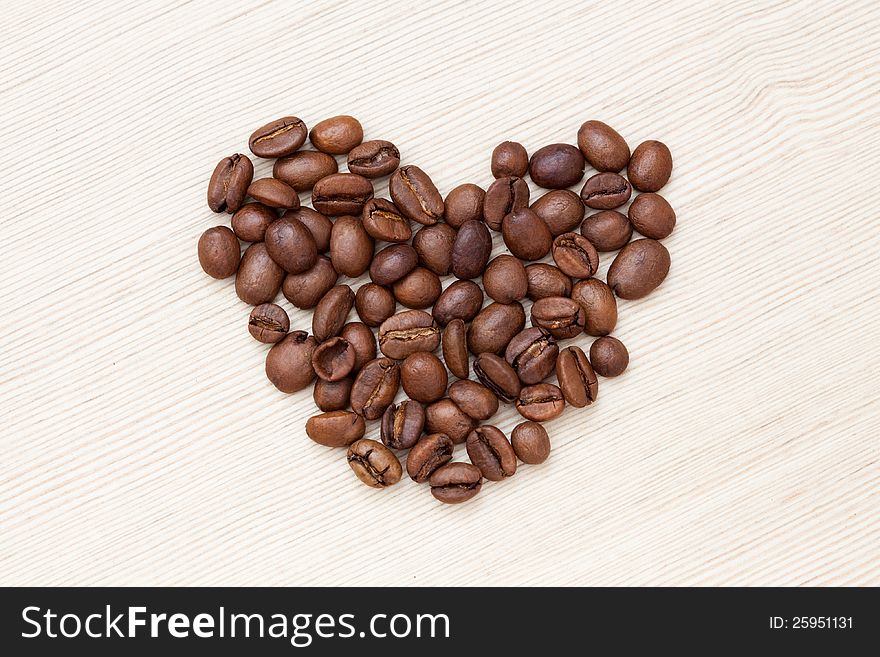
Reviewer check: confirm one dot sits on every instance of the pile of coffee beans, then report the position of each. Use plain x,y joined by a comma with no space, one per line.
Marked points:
303,251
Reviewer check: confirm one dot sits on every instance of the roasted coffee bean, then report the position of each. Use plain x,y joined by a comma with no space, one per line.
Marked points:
540,402
577,379
471,250
599,304
652,216
393,263
383,221
337,135
509,159
455,352
229,183
603,147
606,191
335,428
341,194
332,395
423,377
504,196
259,277
575,255
351,248
289,362
496,374
456,482
474,399
362,340
546,281
494,326
650,166
445,417
402,424
562,210
331,312
268,323
278,138
219,252
374,464
414,193
375,387
505,279
408,332
319,226
557,166
464,203
532,354
274,193
333,359
563,317
637,270
374,159
374,304
304,168
488,449
608,230
251,221
434,246
418,289
530,442
526,235
462,299
291,245
609,356
431,452
305,290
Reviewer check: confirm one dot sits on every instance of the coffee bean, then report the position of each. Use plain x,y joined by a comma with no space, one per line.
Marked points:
445,417
505,279
540,402
606,191
488,449
337,135
332,395
546,281
474,399
455,352
557,166
289,362
471,250
393,263
609,356
219,252
494,326
274,193
402,425
575,255
563,317
603,147
333,359
418,289
415,194
374,304
638,269
268,323
318,225
650,166
374,159
291,245
608,230
530,442
331,312
526,235
504,196
278,138
464,203
599,304
578,381
509,159
229,183
434,246
383,221
305,290
652,216
496,374
532,354
431,452
341,194
251,221
259,277
456,482
375,387
561,209
374,464
408,332
351,248
335,428
304,168
462,299
423,377
362,340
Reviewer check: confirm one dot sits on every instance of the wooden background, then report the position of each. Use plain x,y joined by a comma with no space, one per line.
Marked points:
142,443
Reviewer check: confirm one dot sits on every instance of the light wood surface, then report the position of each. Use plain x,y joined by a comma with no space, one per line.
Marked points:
142,443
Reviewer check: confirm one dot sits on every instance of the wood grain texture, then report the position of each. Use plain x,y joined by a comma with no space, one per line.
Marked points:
142,443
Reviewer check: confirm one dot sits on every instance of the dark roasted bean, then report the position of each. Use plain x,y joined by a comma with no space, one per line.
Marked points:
650,166
546,281
445,417
402,424
608,230
305,290
577,379
374,304
532,354
259,277
304,168
563,317
504,196
289,362
603,147
557,166
488,449
334,359
540,402
374,159
408,332
599,304
374,464
471,250
526,235
351,248
509,159
505,279
462,299
229,183
251,221
423,377
430,453
291,245
575,255
464,203
414,193
274,193
652,216
609,356
375,387
331,312
341,194
474,399
530,442
268,323
638,269
434,245
455,352
335,428
278,138
456,482
383,221
497,375
494,326
219,252
561,209
606,191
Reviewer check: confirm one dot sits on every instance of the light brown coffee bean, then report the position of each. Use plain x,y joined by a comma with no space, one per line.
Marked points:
305,290
575,255
393,263
268,323
251,221
408,332
331,312
418,289
638,269
415,194
430,453
304,168
334,359
351,247
337,135
497,375
434,245
578,381
504,196
462,300
259,277
229,183
561,209
319,226
291,245
546,281
563,317
423,377
341,194
362,340
530,442
488,449
652,216
606,191
609,356
374,464
374,304
383,221
464,203
608,230
509,159
650,166
278,138
603,146
445,417
335,428
532,354
494,326
599,304
455,483
273,193
374,159
474,399
375,387
541,402
219,252
505,279
402,424
455,352
289,362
